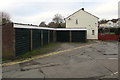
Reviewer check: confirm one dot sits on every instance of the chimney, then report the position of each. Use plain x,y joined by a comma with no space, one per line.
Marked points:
83,9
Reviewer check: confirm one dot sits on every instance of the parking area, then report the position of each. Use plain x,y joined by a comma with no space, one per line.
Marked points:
95,61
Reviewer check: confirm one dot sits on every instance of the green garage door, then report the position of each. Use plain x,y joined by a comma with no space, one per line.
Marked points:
51,36
78,36
22,41
36,38
63,36
45,37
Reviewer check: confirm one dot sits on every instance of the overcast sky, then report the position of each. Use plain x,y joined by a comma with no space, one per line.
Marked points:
35,11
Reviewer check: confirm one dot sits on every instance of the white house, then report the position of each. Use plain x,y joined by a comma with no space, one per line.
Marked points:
109,23
85,20
103,25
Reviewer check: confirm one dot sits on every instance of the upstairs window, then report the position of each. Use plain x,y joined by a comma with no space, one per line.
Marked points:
93,32
76,21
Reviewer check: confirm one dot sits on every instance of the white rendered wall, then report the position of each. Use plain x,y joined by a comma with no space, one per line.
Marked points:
86,21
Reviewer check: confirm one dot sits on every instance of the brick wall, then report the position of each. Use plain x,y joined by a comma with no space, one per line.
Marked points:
8,40
0,42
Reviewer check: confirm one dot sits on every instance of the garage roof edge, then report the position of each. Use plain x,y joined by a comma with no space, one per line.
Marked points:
44,28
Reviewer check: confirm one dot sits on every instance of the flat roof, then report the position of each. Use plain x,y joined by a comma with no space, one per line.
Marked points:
64,29
31,27
45,28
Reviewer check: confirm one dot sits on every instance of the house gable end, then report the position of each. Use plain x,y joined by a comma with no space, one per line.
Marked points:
79,11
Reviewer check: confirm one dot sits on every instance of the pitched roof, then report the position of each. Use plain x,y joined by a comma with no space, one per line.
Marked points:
80,10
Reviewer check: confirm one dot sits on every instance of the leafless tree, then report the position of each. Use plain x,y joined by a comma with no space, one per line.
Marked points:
4,18
58,18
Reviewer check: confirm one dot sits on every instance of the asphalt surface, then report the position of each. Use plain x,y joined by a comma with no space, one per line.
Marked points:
97,61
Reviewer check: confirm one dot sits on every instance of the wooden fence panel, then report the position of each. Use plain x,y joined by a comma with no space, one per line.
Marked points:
107,37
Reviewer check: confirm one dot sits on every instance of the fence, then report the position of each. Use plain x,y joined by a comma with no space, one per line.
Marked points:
19,39
107,37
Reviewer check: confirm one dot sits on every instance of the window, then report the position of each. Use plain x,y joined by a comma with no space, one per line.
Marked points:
93,32
76,21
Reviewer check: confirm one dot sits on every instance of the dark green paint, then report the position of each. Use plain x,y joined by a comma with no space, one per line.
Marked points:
78,36
63,36
22,41
36,39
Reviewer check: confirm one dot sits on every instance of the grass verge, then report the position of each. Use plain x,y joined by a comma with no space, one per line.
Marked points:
43,50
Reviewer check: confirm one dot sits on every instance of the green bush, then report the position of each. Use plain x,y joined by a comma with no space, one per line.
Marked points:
100,30
111,30
117,31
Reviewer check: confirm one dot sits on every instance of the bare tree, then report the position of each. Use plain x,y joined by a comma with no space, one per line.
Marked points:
4,18
58,18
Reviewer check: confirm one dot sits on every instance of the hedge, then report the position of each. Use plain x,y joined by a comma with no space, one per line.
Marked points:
110,30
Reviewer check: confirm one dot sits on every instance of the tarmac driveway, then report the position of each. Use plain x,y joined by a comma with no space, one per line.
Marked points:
97,61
